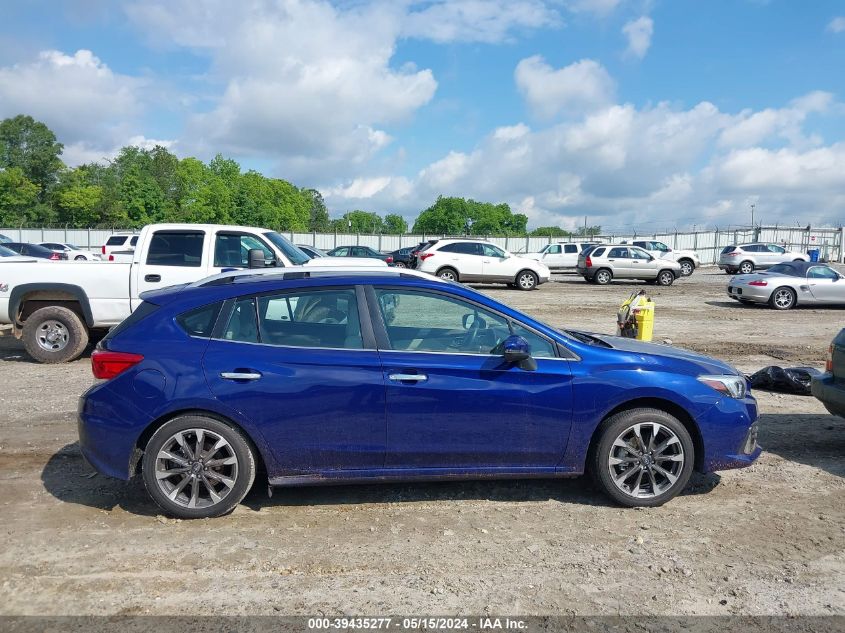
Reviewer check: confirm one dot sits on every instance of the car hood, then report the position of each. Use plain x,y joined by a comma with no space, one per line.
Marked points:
345,261
702,364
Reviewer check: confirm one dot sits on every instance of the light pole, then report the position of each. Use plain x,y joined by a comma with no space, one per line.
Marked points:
752,215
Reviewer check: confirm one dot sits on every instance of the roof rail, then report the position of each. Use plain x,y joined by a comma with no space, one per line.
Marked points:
305,272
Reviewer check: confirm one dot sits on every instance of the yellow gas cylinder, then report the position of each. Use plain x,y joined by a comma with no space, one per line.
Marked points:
644,317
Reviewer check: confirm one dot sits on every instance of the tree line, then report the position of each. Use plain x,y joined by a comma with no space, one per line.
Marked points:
141,186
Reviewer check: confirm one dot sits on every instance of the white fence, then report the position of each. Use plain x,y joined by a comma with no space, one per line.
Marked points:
829,241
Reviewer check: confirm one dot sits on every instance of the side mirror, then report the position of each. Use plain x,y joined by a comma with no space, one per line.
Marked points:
517,351
256,258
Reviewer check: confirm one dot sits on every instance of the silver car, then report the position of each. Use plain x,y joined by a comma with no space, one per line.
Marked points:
606,262
784,286
746,258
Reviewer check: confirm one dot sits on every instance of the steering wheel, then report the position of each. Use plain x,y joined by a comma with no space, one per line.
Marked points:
472,333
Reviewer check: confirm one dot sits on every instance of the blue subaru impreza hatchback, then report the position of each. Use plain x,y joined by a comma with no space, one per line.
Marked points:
329,376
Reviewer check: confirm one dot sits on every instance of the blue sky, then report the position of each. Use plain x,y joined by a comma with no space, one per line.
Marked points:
646,113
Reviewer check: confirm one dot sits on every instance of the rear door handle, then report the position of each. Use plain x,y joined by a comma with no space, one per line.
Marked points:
152,278
408,377
240,375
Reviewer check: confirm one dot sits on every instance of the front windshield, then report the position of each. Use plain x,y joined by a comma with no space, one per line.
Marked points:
296,256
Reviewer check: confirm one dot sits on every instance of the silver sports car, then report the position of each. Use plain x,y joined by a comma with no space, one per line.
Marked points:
786,285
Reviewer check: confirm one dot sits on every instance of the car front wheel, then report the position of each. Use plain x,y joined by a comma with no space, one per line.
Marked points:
196,467
644,457
665,278
527,280
687,267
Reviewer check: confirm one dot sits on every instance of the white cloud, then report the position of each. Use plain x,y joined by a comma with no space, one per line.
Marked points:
477,20
837,24
579,87
82,152
639,33
752,128
597,7
78,96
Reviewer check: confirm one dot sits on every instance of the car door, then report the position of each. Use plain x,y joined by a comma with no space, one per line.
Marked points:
452,401
569,258
496,265
619,262
465,257
297,365
775,254
826,285
173,257
231,251
642,264
553,256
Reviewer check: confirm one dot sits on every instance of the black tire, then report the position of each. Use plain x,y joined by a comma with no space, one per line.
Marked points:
615,427
783,298
603,277
399,265
746,267
54,335
665,278
687,267
449,274
242,473
79,258
526,280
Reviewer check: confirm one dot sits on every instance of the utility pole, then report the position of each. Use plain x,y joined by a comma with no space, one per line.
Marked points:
752,215
585,226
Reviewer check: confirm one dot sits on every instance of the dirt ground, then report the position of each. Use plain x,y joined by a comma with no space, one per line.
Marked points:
769,539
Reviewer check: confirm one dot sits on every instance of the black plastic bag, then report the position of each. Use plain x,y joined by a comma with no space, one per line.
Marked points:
794,380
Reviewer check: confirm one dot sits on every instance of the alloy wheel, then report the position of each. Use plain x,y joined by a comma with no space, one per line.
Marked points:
783,298
196,468
746,268
686,268
646,460
527,281
448,275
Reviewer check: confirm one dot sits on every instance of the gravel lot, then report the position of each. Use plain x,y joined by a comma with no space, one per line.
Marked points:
769,539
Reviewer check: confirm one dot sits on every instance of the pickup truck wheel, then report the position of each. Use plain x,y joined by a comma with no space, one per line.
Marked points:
687,267
54,335
195,467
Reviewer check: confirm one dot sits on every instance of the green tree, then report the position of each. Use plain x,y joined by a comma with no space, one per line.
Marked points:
76,199
394,224
32,147
359,222
553,231
453,216
447,216
318,217
18,196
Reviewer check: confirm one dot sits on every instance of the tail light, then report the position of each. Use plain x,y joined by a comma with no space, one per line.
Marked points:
55,256
389,260
425,256
104,249
111,258
733,254
758,282
588,262
828,365
106,365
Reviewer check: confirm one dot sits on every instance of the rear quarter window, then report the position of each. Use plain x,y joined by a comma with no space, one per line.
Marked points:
199,321
598,252
116,240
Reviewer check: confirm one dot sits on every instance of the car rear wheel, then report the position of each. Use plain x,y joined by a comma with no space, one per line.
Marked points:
399,264
603,277
782,298
665,278
196,467
79,258
746,268
644,457
526,280
54,335
448,274
687,267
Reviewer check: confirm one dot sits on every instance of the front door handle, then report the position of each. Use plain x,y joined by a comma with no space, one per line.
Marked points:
152,278
408,377
240,375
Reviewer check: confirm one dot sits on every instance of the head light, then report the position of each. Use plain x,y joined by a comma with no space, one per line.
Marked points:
730,385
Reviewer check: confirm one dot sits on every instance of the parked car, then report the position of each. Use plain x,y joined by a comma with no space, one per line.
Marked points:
603,263
417,250
34,250
359,251
73,252
4,239
120,242
69,301
784,286
7,255
311,251
829,388
479,261
746,258
390,375
560,256
403,257
689,260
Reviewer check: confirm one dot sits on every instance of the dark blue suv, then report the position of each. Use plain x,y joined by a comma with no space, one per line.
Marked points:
327,376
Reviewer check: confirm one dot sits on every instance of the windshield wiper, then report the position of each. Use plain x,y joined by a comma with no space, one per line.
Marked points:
587,338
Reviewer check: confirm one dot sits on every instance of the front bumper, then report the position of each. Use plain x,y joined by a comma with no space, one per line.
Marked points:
830,393
729,433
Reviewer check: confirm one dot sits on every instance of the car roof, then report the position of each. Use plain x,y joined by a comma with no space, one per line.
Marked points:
797,269
457,240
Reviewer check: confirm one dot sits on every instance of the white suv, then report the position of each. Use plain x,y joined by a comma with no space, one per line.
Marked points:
689,260
560,255
475,260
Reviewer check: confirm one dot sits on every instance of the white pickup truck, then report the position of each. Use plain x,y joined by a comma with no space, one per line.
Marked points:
57,308
689,260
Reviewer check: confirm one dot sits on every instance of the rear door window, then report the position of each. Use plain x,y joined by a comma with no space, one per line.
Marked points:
116,240
176,248
618,252
570,248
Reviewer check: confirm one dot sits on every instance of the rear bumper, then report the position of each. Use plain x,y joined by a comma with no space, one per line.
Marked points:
749,293
830,392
